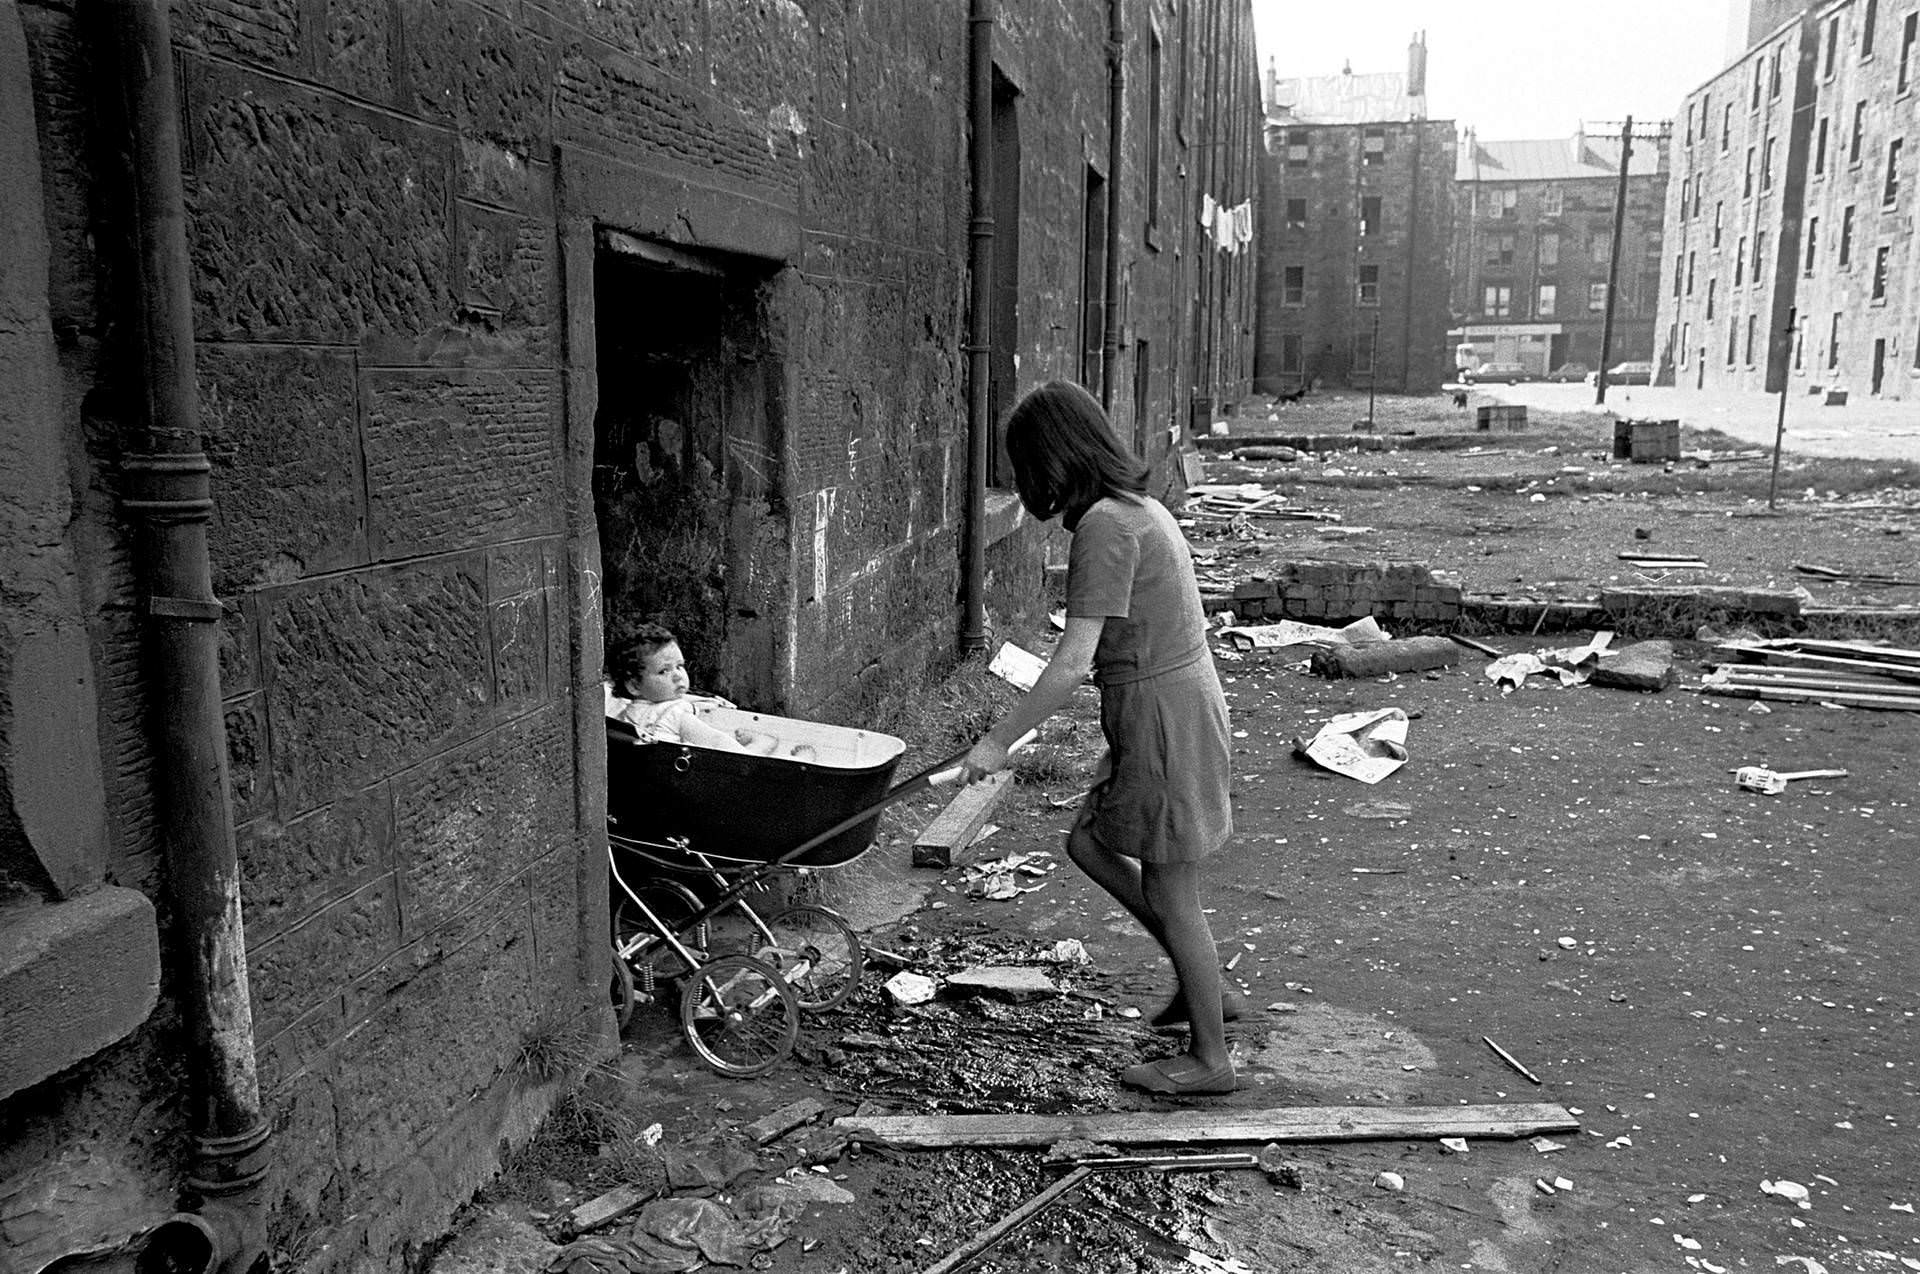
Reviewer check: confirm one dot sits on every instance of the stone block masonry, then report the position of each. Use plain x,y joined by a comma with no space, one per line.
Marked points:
1327,591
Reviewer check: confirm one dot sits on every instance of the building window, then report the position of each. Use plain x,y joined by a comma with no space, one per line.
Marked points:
1820,147
1299,147
1549,243
1296,214
1813,244
1891,190
1370,214
1679,270
1908,31
1596,297
1773,83
1713,286
1552,201
1504,202
1718,208
1499,301
1753,326
1740,261
1859,132
1833,45
1846,237
1733,342
1868,18
1369,285
1880,273
1689,142
1686,191
1833,344
1373,147
1726,127
1799,345
1363,351
1294,286
1686,334
1153,132
1759,253
1766,166
1746,186
1597,249
1500,250
1690,257
1549,294
1292,347
1759,81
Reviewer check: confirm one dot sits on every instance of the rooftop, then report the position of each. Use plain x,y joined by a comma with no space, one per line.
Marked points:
1555,159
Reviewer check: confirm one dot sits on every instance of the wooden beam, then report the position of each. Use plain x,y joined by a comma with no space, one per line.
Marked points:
1847,698
1147,1127
954,827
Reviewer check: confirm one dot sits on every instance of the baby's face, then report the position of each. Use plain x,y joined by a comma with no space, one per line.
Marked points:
664,678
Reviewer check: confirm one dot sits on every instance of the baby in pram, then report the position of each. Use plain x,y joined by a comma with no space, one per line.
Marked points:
649,691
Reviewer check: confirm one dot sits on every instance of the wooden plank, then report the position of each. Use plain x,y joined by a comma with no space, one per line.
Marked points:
1145,1128
1901,672
1812,679
608,1208
786,1119
1848,698
954,827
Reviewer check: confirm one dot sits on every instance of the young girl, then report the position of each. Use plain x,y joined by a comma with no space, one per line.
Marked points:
1159,799
650,674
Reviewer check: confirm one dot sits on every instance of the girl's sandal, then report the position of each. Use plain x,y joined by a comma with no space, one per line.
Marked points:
1180,1077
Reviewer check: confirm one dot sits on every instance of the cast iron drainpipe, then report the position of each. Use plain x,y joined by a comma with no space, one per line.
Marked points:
973,586
1116,110
168,488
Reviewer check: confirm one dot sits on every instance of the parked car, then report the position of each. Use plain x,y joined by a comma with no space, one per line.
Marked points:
1630,374
1501,373
1572,372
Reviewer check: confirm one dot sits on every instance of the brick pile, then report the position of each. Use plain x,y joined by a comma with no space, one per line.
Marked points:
1323,591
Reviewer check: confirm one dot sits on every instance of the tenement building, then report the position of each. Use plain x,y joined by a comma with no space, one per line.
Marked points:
1790,259
366,365
1357,211
1534,245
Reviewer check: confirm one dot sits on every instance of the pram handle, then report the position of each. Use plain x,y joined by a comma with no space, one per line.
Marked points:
952,772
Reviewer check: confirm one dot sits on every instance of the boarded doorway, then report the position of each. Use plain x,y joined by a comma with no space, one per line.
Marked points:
685,483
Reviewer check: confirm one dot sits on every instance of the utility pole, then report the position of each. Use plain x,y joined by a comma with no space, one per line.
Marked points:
1627,138
1780,422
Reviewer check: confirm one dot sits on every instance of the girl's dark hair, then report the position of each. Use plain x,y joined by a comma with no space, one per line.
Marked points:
1064,454
627,654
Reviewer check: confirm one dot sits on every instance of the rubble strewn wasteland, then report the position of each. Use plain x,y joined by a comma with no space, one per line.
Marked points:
1559,892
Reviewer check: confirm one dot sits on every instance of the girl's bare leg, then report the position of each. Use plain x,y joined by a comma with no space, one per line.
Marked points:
1118,876
1172,893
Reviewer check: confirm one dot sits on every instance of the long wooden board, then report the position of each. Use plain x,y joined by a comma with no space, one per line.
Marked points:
1847,698
1143,1128
1781,658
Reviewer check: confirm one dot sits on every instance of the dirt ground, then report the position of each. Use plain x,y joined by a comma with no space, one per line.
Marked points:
1720,985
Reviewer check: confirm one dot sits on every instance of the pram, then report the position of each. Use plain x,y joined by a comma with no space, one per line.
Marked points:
692,831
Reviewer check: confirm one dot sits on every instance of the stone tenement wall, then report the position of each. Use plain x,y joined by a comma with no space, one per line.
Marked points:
419,233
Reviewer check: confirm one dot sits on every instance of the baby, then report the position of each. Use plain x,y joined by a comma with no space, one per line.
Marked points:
649,673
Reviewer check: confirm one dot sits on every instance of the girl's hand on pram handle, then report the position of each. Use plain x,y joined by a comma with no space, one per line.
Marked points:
985,759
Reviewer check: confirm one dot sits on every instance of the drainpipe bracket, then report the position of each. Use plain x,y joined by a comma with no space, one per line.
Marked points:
189,608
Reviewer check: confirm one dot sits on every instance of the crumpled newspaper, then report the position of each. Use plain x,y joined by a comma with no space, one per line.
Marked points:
1000,878
1571,666
1361,745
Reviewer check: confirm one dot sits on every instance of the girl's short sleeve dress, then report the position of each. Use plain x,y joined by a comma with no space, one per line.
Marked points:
1160,794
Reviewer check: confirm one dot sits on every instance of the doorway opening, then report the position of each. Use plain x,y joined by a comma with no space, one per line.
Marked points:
686,484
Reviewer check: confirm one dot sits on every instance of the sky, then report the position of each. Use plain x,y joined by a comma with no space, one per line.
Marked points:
1513,70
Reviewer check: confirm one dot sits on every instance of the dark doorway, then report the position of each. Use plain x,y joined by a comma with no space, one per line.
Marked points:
1879,363
684,471
1093,278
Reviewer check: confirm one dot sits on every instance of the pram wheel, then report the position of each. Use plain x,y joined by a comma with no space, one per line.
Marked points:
818,954
739,1015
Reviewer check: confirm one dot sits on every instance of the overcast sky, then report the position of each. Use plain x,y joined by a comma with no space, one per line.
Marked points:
1513,70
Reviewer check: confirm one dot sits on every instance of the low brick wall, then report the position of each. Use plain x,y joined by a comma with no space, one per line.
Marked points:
1318,590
